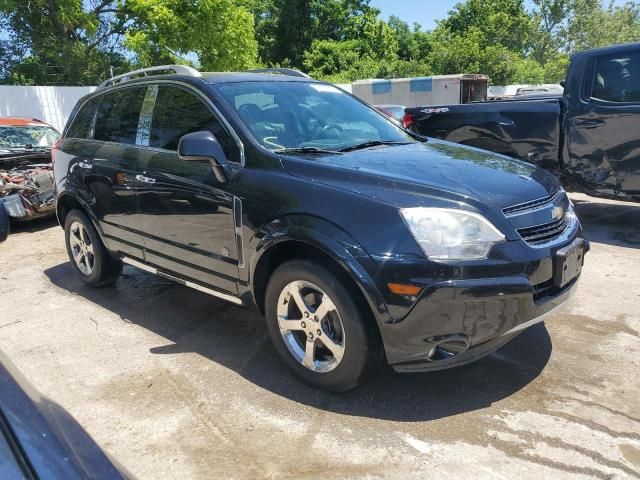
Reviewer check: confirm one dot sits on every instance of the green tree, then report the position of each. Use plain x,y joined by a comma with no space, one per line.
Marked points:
60,42
218,32
408,46
287,29
501,22
73,42
589,25
490,37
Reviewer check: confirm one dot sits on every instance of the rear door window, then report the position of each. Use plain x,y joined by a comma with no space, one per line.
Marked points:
617,78
82,126
178,112
118,115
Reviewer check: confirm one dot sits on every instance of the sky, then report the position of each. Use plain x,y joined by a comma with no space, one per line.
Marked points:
426,12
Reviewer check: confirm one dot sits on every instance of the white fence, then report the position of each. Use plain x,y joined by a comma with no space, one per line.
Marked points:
54,104
51,104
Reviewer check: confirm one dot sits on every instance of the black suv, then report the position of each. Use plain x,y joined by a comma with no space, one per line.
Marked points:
356,239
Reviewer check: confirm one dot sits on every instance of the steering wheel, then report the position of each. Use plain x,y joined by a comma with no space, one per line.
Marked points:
325,129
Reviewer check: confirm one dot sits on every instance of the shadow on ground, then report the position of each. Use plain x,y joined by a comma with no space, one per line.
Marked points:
32,226
611,223
237,339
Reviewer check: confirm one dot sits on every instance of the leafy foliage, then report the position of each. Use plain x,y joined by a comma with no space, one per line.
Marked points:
74,42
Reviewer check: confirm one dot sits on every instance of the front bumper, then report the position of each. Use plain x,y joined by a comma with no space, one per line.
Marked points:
478,315
467,318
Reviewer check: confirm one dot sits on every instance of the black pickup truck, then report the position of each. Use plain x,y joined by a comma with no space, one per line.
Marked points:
589,136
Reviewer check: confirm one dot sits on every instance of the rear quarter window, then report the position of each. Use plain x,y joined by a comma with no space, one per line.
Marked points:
82,123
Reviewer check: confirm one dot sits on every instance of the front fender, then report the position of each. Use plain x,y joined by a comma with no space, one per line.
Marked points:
328,238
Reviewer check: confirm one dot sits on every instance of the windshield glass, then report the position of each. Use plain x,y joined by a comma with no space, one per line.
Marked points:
284,115
27,136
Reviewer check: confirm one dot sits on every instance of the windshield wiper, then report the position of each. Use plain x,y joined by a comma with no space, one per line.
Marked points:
307,150
372,143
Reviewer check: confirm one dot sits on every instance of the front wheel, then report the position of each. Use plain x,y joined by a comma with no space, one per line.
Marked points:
327,339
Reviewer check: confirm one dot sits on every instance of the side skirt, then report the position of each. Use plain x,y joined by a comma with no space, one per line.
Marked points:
195,286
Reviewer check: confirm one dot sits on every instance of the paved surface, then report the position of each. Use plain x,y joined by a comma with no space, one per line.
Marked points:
175,384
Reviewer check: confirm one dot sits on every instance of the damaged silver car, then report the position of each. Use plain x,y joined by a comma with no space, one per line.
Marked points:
26,171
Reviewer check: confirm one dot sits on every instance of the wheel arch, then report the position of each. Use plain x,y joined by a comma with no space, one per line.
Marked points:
67,202
331,248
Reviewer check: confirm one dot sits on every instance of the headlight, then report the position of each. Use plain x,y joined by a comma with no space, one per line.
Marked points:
448,234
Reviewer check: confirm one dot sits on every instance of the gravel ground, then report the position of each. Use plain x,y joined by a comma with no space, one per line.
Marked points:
176,384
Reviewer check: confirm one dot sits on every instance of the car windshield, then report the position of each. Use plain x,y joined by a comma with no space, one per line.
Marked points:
27,136
310,117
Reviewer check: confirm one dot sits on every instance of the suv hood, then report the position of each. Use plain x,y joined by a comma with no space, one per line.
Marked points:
419,173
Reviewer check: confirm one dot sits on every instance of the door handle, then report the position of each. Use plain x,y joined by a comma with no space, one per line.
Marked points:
85,164
590,123
143,179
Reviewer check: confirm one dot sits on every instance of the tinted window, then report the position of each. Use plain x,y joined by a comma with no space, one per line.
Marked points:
83,122
178,112
618,78
118,115
306,114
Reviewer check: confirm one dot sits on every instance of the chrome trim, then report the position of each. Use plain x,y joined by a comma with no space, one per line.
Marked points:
548,199
215,293
563,237
532,322
146,114
140,265
195,286
280,71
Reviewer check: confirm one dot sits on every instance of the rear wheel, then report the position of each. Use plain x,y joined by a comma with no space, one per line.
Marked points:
327,339
87,253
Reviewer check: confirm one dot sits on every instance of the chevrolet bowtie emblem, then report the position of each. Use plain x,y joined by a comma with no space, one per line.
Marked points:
557,213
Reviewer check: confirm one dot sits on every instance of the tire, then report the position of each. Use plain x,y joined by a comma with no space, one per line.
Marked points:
88,255
348,329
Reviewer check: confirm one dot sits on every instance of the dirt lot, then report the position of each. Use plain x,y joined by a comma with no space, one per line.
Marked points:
176,384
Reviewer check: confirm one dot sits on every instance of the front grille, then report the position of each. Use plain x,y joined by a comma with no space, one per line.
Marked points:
530,205
543,233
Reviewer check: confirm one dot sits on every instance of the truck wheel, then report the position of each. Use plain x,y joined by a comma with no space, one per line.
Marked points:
87,253
327,339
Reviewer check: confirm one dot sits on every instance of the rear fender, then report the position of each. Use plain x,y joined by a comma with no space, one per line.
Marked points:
83,205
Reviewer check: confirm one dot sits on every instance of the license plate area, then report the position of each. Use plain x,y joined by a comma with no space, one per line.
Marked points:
568,263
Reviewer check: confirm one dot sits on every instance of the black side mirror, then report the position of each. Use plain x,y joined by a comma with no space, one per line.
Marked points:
562,83
204,146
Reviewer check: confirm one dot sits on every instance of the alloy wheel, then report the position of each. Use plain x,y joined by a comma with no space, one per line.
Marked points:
81,248
311,326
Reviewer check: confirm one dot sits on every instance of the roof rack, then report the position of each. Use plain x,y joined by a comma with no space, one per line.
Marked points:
281,71
144,72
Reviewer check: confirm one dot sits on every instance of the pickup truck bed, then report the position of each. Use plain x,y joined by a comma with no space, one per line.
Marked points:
528,128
